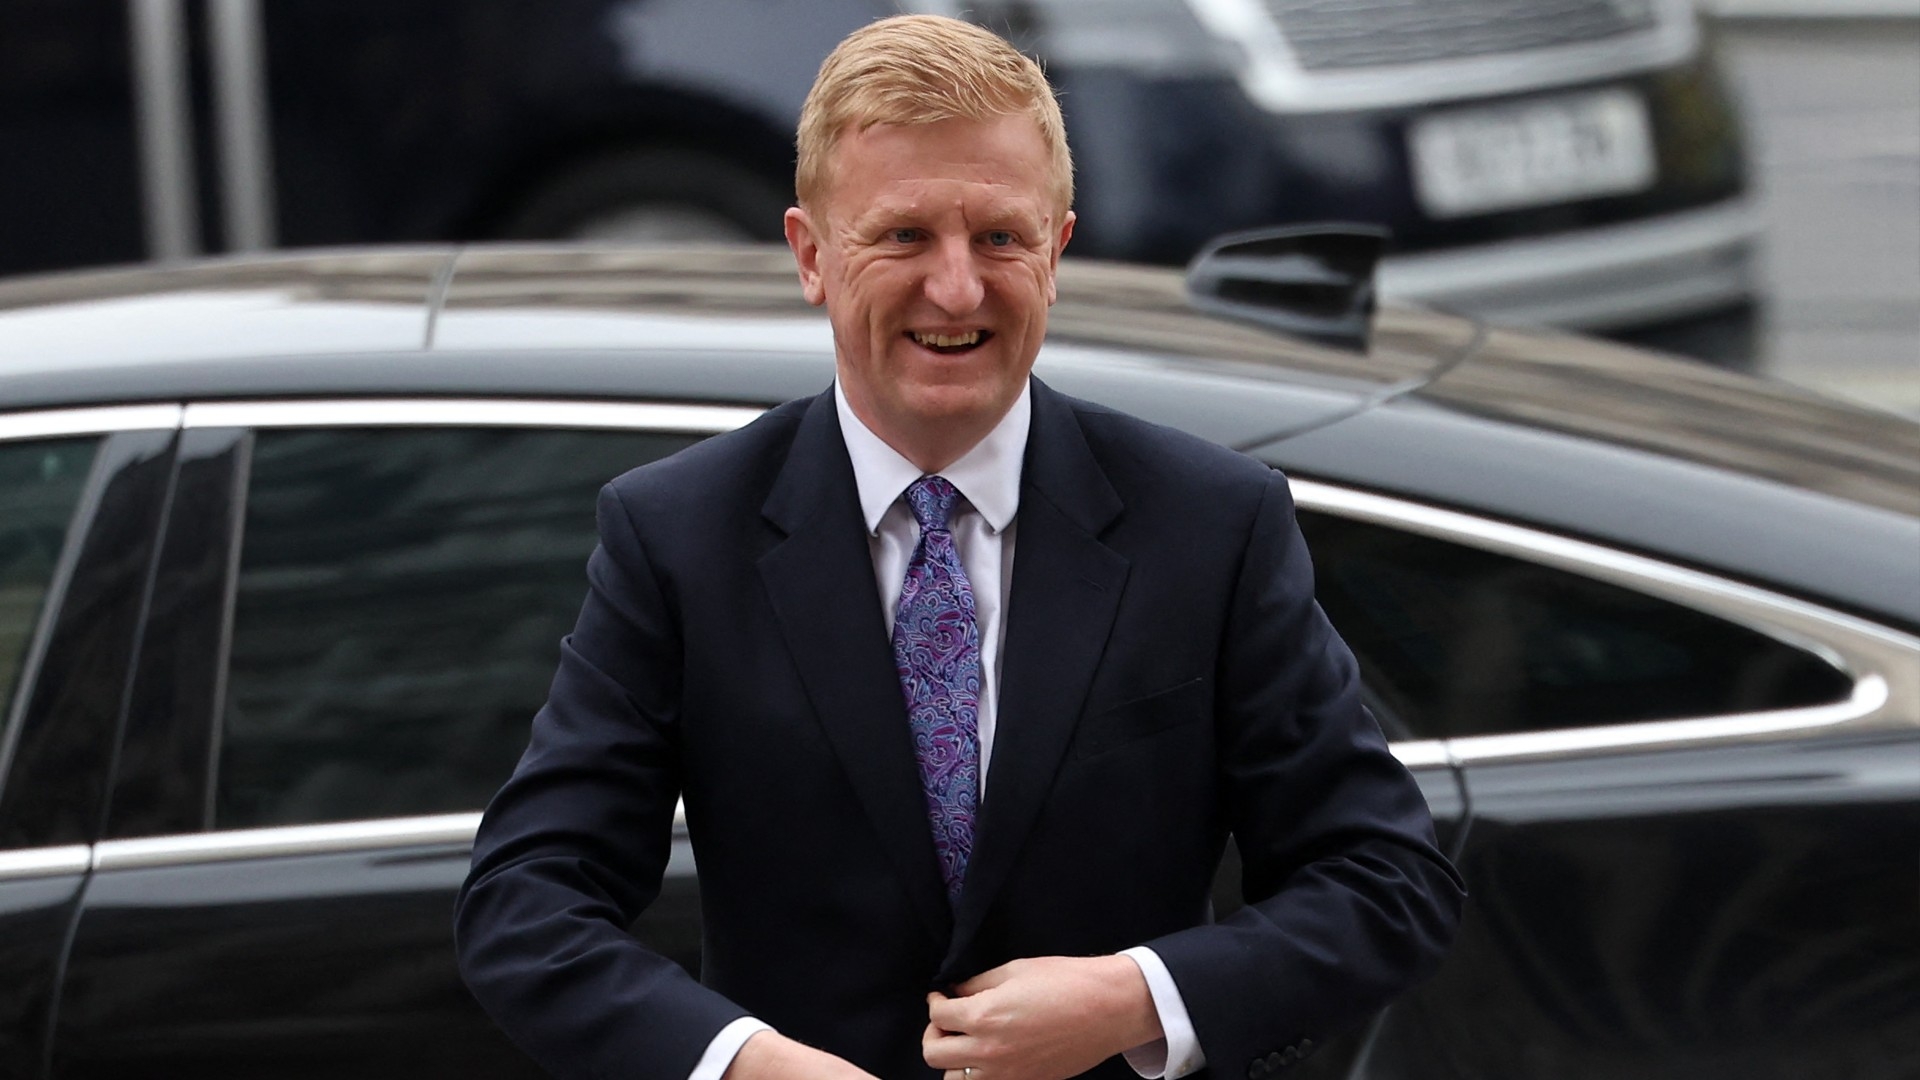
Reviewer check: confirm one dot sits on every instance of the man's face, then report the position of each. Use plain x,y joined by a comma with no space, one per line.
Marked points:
934,249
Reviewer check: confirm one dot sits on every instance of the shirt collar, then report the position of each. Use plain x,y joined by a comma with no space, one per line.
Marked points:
988,475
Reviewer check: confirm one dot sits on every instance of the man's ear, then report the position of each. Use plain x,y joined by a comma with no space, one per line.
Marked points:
805,243
1053,264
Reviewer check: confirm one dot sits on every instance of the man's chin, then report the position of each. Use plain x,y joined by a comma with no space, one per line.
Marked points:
958,404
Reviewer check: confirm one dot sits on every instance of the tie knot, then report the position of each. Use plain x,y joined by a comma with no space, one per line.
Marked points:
931,500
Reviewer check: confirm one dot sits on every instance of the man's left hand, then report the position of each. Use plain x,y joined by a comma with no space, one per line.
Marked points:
1045,1018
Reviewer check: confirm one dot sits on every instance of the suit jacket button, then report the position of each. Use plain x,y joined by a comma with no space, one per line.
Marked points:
1306,1047
1289,1056
1275,1061
1257,1070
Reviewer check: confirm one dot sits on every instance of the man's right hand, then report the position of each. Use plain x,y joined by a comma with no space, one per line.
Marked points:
769,1055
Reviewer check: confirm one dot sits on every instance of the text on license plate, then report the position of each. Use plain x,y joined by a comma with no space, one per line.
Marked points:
1472,161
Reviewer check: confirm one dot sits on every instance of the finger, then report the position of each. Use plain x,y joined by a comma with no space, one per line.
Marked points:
951,1015
953,1052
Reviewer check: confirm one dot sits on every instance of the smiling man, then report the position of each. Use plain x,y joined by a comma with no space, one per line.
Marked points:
964,684
934,247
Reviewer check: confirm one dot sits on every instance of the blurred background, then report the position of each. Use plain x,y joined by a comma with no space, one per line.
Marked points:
1648,634
1738,181
1831,90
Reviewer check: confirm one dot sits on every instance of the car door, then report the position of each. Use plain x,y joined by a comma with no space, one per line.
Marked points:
357,611
80,496
1695,806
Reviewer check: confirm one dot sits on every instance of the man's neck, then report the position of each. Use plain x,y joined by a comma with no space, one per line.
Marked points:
933,457
931,449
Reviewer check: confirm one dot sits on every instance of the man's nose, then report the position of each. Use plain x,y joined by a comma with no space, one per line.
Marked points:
953,280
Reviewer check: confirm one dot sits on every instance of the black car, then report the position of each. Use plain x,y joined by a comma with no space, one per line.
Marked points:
1570,162
287,546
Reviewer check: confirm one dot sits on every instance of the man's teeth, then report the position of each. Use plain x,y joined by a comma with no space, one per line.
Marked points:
947,341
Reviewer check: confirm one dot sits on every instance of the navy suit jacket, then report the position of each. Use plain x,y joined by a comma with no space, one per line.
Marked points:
1167,680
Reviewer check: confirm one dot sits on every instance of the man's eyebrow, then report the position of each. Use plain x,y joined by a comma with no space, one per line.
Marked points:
1016,212
885,215
1012,214
884,210
1010,222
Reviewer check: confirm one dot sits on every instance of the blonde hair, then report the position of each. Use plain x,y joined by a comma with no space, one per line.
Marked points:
921,69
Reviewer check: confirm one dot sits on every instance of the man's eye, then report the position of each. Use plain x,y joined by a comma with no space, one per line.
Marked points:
904,236
1000,238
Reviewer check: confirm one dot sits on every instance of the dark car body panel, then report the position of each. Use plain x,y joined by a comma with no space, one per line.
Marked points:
104,337
1631,458
1702,907
354,324
1720,913
295,966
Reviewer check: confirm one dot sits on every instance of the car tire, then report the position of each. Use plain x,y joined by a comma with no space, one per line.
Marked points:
653,196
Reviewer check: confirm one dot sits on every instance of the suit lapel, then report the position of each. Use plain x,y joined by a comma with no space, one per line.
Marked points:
820,581
1066,591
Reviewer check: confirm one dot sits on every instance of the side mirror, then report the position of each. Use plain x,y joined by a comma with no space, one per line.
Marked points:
1315,281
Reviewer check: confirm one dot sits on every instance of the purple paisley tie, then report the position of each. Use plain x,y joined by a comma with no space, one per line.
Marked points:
936,646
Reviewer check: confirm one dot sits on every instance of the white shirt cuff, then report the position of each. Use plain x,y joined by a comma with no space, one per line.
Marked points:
725,1046
1177,1054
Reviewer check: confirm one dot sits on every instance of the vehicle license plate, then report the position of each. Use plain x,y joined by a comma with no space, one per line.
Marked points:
1472,161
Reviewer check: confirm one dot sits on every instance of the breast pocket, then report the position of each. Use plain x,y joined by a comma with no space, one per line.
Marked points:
1147,715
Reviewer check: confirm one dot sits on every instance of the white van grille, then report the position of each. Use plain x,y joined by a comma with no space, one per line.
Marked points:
1329,35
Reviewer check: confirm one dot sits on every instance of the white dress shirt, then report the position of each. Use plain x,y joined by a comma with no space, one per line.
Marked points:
983,527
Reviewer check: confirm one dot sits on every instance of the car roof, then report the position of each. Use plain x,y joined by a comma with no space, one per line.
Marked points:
391,320
729,325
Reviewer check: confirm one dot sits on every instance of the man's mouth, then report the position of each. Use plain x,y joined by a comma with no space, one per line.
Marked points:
948,344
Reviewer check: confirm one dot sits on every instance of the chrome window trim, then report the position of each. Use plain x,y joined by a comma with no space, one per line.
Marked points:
1884,663
1273,77
1870,695
333,838
1422,753
269,843
380,412
105,420
470,412
44,862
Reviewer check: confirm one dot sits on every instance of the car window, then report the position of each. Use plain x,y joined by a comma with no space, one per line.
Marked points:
40,484
1455,641
399,606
